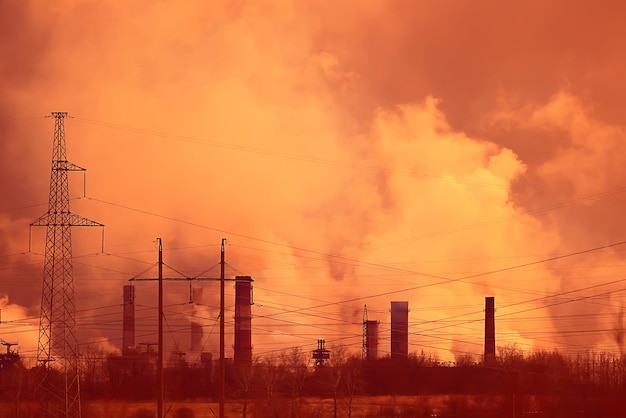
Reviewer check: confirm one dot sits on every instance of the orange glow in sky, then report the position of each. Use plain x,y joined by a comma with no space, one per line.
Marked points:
351,154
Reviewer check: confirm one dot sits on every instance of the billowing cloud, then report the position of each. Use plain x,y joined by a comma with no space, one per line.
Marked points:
352,154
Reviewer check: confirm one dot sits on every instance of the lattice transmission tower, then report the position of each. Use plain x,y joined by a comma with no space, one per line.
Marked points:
57,351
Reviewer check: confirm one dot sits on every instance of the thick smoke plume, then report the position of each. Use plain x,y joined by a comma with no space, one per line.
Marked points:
352,154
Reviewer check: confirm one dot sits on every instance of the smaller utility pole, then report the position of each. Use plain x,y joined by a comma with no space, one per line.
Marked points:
222,362
160,356
364,341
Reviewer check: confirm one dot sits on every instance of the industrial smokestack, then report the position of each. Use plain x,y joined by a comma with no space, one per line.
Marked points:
196,336
197,331
371,339
399,329
490,331
128,332
243,320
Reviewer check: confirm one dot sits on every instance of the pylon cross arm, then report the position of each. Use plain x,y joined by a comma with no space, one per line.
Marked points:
72,220
64,165
77,220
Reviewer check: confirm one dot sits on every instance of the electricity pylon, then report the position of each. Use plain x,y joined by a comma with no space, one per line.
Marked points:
57,350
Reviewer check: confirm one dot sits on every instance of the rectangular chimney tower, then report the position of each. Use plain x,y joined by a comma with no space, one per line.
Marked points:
243,320
399,329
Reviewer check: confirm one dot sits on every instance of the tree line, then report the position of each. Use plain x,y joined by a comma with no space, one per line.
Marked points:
544,383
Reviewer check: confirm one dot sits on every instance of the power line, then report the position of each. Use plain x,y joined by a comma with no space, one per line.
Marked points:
284,155
446,280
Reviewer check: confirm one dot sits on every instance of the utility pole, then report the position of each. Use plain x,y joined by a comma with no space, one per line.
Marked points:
222,362
160,355
364,340
58,342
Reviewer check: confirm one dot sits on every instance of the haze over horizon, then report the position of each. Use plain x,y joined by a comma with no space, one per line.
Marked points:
352,153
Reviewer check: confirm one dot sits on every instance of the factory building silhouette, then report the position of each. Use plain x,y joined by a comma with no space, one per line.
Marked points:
134,371
136,367
242,346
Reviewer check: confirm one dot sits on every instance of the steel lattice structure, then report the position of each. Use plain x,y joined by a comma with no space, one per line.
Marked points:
57,351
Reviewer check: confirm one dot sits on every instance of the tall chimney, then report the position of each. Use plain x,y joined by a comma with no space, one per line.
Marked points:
490,331
196,336
399,329
197,331
128,332
371,339
243,320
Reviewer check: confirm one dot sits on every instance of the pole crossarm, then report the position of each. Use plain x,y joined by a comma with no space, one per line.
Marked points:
186,279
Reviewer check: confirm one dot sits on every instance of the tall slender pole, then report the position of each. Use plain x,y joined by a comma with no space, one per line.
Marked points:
222,368
160,357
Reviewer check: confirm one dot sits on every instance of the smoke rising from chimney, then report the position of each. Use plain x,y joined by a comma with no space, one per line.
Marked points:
310,126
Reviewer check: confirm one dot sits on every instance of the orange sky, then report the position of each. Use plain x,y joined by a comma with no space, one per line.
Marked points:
350,153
